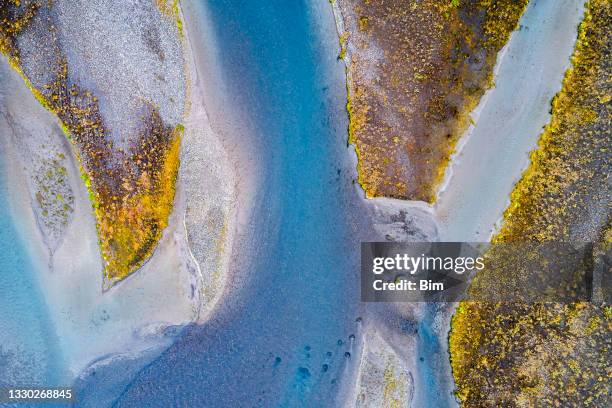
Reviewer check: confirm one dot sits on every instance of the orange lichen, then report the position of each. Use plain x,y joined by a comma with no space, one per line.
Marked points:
131,224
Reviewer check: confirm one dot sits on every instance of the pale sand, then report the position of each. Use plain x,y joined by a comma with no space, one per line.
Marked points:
89,322
490,159
508,122
229,123
385,380
171,289
207,181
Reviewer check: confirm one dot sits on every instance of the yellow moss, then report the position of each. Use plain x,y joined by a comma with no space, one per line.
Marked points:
129,232
357,119
342,40
423,100
177,14
37,94
549,354
170,10
552,168
393,391
363,23
131,193
14,17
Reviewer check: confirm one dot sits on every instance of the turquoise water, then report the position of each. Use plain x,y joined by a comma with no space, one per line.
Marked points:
28,348
289,334
434,387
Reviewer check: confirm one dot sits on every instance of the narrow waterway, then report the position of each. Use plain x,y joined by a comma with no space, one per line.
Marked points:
288,334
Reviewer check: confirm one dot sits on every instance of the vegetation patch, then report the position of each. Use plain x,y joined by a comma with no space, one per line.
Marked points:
132,191
170,9
416,71
53,193
14,16
549,354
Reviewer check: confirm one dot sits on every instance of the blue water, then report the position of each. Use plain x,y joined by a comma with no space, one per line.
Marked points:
28,348
286,336
434,389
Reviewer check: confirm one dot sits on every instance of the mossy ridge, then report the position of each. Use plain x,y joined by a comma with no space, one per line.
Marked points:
430,82
551,354
357,119
556,179
132,193
524,355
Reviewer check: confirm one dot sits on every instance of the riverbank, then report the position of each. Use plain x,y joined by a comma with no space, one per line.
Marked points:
181,281
415,72
494,152
564,196
490,159
467,207
89,321
29,352
212,193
